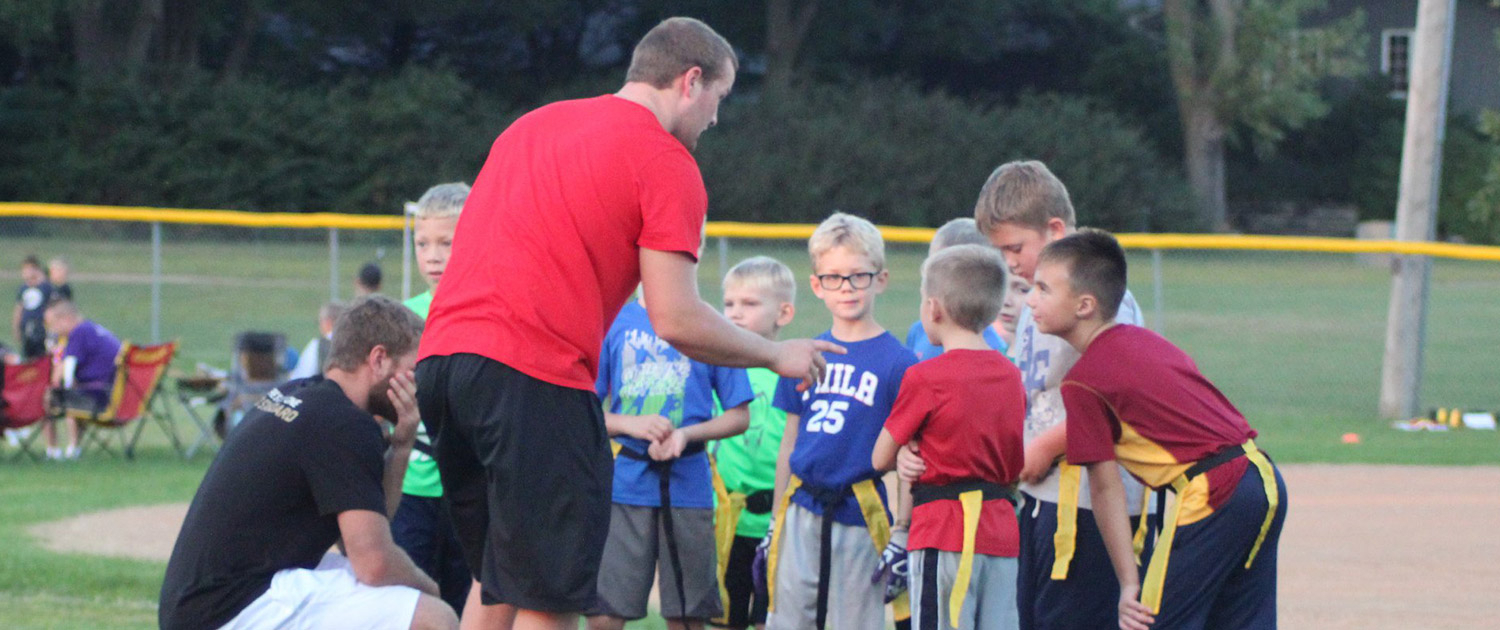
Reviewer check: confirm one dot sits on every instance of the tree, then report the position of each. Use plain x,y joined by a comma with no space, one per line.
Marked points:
1248,67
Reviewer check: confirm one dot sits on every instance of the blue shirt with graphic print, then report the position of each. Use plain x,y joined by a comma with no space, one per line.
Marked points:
640,374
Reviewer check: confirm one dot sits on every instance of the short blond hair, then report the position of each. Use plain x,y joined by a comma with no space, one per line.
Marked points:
443,201
1023,193
764,274
969,281
847,230
960,231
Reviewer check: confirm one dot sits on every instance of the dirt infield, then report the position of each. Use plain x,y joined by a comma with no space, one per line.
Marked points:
1364,546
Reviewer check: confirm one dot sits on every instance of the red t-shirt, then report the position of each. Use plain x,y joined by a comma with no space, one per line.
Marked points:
967,408
1136,397
547,249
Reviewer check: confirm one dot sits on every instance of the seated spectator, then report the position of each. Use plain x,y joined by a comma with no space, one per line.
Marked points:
315,353
57,275
31,300
367,281
310,466
83,373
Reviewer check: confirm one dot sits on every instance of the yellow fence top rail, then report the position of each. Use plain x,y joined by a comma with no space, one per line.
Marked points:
730,229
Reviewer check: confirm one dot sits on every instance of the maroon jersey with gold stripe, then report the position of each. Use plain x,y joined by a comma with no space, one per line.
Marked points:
1135,397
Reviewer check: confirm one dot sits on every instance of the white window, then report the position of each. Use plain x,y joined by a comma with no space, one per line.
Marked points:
1395,58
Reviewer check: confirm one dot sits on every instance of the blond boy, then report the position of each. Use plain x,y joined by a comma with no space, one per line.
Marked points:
1065,581
421,526
760,294
832,522
960,231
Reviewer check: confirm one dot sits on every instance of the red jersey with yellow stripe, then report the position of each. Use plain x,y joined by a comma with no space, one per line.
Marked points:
1135,397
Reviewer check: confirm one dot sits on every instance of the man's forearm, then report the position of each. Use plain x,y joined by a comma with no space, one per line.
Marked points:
401,571
701,333
396,461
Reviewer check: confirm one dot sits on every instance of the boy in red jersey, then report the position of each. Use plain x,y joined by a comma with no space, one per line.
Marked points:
1136,398
967,406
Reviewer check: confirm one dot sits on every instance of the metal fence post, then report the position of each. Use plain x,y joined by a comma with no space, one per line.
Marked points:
406,254
333,264
156,282
723,257
1158,294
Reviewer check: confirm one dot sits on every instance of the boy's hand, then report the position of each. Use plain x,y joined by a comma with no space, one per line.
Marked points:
1036,466
803,358
652,428
892,572
1133,614
909,464
403,395
670,448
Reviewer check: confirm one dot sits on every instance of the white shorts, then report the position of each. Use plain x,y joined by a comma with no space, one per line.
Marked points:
328,597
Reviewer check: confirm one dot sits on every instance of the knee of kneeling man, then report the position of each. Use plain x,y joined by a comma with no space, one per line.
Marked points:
433,614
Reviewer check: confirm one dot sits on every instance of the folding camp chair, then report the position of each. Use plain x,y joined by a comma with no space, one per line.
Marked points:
259,365
23,402
138,378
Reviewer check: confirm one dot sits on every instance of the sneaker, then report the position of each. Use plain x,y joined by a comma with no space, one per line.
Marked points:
54,453
72,453
12,437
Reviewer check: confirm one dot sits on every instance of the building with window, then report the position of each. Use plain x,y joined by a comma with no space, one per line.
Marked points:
1475,81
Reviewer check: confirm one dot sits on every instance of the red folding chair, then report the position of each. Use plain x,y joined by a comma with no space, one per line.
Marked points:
23,401
138,377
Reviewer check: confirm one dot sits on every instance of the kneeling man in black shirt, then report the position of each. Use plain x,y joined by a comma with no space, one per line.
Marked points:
310,466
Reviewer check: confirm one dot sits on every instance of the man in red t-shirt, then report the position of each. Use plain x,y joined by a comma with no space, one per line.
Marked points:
578,203
1135,397
967,407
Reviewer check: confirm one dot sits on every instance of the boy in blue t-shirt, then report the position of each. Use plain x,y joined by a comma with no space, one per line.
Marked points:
661,409
960,231
832,529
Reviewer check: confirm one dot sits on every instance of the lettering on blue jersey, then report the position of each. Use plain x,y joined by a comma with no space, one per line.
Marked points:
839,379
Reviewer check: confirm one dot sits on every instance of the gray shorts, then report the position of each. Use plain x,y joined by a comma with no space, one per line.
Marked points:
853,602
636,554
991,600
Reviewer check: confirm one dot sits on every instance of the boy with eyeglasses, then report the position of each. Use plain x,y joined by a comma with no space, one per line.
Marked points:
832,557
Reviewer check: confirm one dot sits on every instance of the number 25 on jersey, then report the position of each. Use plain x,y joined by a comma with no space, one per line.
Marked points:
828,416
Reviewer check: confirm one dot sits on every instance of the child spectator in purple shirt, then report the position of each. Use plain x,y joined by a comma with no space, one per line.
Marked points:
84,373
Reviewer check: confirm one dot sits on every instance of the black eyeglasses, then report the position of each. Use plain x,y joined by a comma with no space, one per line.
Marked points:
857,281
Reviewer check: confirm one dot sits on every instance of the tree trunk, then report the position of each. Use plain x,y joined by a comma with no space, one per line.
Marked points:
786,30
138,47
92,52
244,38
1203,155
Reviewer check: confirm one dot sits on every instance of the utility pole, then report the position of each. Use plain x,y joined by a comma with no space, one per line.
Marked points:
1416,209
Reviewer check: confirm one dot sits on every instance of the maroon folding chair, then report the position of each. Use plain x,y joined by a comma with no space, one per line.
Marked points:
23,402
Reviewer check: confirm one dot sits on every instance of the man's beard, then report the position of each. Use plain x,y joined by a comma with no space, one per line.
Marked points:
379,402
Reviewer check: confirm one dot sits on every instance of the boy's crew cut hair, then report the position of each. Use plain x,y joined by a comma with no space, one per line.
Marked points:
677,45
969,281
764,274
1096,266
1025,193
960,231
373,320
443,201
849,231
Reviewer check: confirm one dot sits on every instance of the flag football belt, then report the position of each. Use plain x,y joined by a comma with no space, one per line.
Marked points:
1156,571
971,495
828,499
726,521
663,470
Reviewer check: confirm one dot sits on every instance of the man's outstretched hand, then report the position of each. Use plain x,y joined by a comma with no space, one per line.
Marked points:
803,358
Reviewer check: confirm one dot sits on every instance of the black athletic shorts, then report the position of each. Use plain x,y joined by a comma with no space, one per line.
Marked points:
527,475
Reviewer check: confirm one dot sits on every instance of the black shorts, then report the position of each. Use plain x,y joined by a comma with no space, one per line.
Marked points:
527,474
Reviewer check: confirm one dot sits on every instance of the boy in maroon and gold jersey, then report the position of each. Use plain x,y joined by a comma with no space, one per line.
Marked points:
1136,398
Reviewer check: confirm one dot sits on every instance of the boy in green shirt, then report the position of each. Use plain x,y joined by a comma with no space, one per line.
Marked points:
759,296
421,526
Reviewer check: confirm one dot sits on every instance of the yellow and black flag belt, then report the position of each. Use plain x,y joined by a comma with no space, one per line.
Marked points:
970,494
1156,571
727,521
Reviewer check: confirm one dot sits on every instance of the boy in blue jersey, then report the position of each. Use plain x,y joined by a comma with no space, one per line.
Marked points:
960,231
760,295
661,409
832,523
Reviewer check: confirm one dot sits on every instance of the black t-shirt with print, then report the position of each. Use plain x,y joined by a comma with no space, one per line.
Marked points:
271,499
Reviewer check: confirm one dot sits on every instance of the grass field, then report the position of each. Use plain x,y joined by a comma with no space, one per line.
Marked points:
1294,340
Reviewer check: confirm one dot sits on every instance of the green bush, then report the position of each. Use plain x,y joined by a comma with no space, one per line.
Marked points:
360,146
887,151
